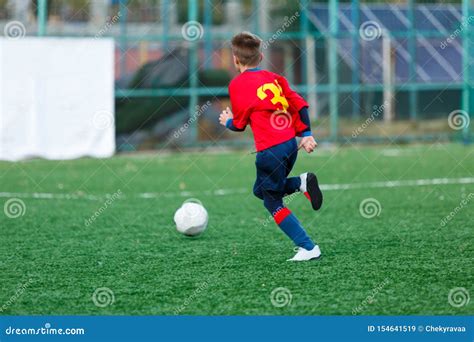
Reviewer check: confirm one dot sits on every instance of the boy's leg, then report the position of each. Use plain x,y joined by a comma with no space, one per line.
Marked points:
292,185
257,189
307,183
286,220
273,166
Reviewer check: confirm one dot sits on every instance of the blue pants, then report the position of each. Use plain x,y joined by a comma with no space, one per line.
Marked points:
273,167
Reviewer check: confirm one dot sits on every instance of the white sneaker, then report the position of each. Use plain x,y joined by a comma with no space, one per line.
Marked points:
305,255
303,177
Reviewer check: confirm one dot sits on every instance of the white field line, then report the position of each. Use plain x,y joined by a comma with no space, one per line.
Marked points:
225,192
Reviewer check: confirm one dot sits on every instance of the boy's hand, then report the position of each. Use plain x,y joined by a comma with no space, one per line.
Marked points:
225,115
308,143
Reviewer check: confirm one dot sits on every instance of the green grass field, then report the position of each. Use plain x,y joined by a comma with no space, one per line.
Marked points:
403,261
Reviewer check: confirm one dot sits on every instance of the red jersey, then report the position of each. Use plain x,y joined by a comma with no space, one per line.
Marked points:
266,102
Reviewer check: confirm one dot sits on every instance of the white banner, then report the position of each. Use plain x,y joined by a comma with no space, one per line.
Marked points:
56,98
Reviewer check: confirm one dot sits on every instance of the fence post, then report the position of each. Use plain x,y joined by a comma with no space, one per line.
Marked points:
470,33
388,77
413,99
255,18
355,57
193,74
309,62
208,9
467,68
333,68
263,12
123,36
165,22
42,17
304,28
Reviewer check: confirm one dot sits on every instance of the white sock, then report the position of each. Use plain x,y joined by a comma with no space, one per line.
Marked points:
303,177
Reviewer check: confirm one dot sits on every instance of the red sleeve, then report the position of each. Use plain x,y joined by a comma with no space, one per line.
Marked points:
295,101
239,109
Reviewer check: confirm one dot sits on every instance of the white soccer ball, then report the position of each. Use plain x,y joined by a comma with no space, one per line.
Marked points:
191,219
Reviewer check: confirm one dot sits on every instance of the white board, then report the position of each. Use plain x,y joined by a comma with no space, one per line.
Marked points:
56,98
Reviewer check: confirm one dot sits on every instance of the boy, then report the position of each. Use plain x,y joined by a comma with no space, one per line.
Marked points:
276,115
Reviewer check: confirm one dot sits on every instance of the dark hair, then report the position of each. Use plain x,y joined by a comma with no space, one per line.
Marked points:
246,47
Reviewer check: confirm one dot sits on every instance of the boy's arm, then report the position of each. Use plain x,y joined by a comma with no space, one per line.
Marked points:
230,125
297,103
304,116
238,120
307,141
227,119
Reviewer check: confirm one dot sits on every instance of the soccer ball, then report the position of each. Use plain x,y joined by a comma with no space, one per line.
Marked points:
191,218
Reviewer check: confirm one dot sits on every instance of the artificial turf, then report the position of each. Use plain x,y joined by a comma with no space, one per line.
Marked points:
403,261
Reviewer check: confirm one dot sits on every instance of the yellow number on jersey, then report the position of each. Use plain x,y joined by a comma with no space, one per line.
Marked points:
276,91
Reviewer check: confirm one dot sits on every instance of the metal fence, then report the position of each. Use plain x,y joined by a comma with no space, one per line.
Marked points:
371,70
